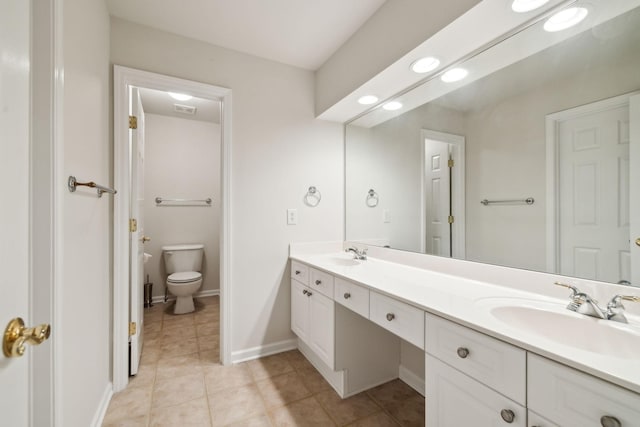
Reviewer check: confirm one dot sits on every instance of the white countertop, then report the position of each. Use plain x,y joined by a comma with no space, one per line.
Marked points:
469,302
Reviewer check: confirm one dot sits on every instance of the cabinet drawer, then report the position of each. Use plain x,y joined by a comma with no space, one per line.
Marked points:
536,420
402,319
300,272
571,398
352,296
321,282
495,363
456,400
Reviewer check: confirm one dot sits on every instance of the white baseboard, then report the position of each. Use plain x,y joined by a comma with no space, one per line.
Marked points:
98,418
412,380
263,350
159,299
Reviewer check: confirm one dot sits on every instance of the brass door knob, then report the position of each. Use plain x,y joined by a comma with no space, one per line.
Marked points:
16,335
145,239
638,241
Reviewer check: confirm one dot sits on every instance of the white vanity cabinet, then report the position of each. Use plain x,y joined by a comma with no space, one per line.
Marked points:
535,420
571,398
312,315
472,379
455,399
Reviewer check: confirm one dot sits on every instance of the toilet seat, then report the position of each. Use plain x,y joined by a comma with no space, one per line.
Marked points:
184,277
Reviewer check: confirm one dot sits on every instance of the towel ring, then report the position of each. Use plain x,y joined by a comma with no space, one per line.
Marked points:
313,197
372,198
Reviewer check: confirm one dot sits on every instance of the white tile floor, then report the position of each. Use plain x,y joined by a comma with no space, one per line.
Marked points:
182,384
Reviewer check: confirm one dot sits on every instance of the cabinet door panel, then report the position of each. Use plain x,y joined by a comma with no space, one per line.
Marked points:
536,420
321,327
299,310
572,398
456,400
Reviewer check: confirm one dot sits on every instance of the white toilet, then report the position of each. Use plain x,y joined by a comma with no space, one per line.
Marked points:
183,264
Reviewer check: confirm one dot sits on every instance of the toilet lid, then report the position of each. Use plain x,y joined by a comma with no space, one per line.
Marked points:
184,276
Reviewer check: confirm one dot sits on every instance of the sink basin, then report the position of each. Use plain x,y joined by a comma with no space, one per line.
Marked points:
554,322
345,262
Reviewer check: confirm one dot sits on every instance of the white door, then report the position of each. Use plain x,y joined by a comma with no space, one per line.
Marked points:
594,195
136,283
634,190
437,198
14,214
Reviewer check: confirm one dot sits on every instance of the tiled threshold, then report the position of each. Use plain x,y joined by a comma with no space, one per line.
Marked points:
182,384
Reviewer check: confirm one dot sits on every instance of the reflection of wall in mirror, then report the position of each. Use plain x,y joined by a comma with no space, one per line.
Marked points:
388,158
505,159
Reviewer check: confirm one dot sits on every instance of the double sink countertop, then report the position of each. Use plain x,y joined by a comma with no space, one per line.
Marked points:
535,322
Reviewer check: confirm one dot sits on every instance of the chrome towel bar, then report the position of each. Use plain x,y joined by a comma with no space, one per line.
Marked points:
527,201
183,202
73,183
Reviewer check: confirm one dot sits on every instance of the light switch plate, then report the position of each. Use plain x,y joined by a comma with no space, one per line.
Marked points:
292,216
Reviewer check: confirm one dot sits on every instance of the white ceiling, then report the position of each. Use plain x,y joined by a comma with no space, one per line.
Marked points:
302,33
159,102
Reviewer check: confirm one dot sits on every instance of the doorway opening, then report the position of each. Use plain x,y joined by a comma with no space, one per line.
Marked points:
443,205
172,158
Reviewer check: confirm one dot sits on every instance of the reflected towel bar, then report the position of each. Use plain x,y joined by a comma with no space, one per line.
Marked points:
73,183
183,202
527,201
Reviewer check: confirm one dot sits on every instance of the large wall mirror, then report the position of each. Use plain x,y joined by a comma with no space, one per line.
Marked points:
532,160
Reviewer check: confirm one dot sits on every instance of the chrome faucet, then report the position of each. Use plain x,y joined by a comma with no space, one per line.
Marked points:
615,309
582,303
358,254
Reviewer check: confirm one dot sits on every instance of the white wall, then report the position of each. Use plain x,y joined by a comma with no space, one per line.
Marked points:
85,293
278,150
182,161
395,29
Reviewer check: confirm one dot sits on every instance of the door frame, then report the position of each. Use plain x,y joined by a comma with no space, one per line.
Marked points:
552,126
46,192
458,190
123,78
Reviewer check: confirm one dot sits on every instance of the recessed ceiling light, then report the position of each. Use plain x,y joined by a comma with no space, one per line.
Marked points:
527,5
392,106
180,96
367,100
454,75
424,65
565,19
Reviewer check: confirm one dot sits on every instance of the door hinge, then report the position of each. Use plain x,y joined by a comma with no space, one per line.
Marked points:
132,328
133,225
133,122
451,219
451,163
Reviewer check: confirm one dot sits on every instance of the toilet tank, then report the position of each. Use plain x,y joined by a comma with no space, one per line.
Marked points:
179,258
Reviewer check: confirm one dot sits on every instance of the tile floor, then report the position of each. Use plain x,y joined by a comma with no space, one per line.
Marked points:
182,384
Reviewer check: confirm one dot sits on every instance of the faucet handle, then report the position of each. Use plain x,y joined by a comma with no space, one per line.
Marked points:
574,291
616,301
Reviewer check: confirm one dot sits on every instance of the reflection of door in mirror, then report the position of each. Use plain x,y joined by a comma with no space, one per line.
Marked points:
593,188
437,178
443,193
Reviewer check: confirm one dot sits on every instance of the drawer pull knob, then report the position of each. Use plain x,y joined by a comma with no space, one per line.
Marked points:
609,421
298,272
462,352
309,293
390,316
304,292
508,415
347,295
318,282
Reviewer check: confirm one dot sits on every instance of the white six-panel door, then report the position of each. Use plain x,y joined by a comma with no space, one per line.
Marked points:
437,198
14,214
594,169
